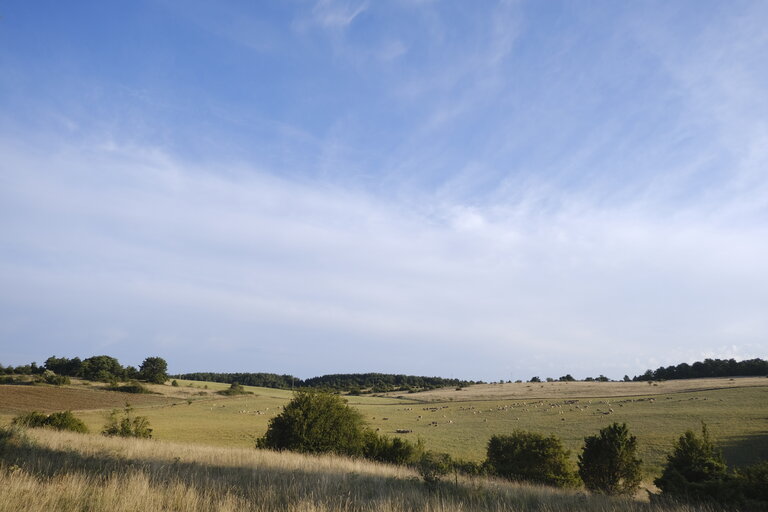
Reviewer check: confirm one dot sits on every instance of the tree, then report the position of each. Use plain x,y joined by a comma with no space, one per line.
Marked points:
154,369
316,422
695,469
101,368
535,379
531,457
608,462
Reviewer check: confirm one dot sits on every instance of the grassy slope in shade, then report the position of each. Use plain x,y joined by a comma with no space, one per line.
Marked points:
70,472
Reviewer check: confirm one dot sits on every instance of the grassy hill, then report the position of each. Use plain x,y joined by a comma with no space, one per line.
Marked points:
72,472
457,422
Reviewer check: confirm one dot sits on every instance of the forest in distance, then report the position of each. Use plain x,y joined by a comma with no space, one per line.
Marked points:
106,368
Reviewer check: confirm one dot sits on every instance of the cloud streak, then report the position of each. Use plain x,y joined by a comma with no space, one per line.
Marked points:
269,262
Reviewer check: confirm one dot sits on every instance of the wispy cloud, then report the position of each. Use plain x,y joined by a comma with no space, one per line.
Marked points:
337,14
139,236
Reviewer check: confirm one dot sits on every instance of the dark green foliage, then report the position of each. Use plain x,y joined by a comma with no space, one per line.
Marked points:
175,383
127,425
535,379
58,420
528,456
49,377
131,387
32,419
608,462
377,382
101,368
433,466
316,422
154,369
391,450
695,470
64,366
753,482
566,378
235,389
708,368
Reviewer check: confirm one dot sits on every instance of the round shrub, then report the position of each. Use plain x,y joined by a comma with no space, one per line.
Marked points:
531,457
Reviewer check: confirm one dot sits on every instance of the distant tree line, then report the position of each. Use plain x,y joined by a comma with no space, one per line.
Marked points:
264,380
708,368
96,368
352,382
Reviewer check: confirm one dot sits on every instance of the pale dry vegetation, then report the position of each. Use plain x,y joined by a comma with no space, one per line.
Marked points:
579,389
67,472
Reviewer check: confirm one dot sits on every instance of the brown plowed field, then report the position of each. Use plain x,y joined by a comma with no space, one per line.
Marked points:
17,399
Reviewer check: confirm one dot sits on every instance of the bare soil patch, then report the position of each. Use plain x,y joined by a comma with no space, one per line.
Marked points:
18,399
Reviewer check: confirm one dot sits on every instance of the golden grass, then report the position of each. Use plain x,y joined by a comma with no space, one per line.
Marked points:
70,472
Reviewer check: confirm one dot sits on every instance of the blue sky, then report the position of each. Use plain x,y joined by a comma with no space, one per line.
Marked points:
485,190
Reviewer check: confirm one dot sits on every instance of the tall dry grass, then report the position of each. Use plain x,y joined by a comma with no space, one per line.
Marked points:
44,470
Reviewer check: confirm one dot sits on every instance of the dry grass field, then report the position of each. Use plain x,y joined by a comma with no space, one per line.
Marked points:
554,390
72,472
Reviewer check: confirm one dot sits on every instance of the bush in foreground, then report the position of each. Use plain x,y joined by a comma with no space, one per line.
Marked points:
127,425
391,450
695,470
58,420
608,463
316,422
531,457
434,466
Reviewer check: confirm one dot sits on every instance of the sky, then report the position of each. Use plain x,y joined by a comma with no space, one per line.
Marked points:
480,190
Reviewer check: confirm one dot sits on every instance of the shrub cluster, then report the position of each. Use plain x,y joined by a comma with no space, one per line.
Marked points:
131,387
234,389
58,420
127,425
531,457
696,471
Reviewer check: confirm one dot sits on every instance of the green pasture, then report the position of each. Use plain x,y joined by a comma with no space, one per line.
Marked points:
737,418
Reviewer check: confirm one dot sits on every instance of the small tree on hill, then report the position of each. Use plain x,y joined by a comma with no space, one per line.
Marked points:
608,462
531,457
154,369
316,422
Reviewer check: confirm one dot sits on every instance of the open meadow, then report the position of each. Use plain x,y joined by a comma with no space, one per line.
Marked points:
456,422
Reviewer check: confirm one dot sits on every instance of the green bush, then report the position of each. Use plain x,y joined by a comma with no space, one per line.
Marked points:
235,389
316,422
531,457
131,387
127,425
434,466
753,483
608,462
695,470
391,450
175,383
55,380
58,420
